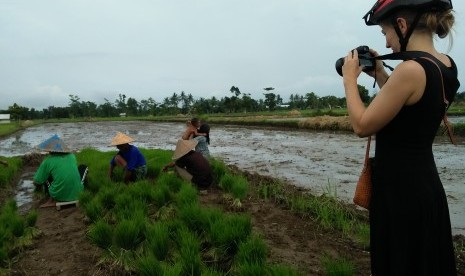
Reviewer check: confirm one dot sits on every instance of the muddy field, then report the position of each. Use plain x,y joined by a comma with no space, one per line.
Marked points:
319,161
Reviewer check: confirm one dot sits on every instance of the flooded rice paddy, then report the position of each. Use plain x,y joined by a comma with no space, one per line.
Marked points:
319,161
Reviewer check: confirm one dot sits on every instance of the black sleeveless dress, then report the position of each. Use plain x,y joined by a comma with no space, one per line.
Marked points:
409,216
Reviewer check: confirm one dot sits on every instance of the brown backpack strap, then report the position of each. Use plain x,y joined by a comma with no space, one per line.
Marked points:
367,153
447,124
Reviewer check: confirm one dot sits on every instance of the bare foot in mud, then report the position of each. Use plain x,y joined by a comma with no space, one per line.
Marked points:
50,203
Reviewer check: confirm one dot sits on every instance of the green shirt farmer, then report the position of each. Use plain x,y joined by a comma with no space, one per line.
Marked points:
58,172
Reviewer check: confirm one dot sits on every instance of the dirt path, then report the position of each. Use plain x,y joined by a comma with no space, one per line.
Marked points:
62,248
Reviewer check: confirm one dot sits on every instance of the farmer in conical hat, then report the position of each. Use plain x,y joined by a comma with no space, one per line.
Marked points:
129,158
58,172
191,165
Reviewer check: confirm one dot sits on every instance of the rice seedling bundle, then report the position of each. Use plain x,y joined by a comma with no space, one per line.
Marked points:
127,234
187,195
161,195
101,234
252,251
227,233
227,182
148,266
189,250
158,240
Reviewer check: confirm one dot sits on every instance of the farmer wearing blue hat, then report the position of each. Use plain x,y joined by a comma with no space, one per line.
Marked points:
58,172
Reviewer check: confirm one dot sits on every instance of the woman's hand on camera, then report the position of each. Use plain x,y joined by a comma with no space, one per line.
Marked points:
379,65
351,68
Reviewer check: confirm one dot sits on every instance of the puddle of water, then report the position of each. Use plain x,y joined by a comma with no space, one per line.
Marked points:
309,159
24,192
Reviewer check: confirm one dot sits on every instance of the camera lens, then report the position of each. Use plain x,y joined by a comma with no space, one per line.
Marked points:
339,64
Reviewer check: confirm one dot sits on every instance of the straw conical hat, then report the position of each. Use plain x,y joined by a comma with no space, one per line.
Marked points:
120,139
183,147
53,144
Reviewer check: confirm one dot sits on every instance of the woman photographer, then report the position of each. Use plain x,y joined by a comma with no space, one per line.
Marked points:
410,232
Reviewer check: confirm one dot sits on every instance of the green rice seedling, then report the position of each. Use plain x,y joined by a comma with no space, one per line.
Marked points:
8,173
189,250
127,234
226,182
337,267
85,197
211,272
3,257
93,210
123,199
252,251
172,270
161,194
227,233
173,182
362,234
251,269
300,204
31,218
17,225
10,206
142,190
279,270
193,217
187,195
101,234
135,208
239,189
158,240
106,197
219,169
148,266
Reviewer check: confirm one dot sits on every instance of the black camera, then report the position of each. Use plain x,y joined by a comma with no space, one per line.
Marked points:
365,58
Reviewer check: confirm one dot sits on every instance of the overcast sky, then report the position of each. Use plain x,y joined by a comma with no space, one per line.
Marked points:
97,49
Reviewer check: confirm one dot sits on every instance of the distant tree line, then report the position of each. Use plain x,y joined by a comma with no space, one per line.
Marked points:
183,103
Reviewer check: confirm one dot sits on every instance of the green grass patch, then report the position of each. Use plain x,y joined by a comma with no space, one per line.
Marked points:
337,267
